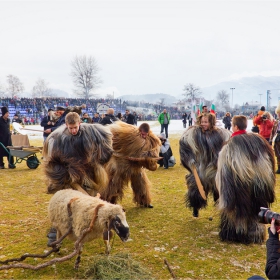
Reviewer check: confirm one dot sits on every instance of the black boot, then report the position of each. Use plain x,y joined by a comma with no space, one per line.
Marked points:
278,171
195,212
52,237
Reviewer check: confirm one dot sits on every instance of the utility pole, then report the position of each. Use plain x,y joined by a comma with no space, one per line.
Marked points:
267,99
232,88
268,93
260,94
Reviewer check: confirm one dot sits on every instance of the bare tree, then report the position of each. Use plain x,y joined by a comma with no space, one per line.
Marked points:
109,96
162,101
15,86
2,90
191,91
223,97
41,89
84,73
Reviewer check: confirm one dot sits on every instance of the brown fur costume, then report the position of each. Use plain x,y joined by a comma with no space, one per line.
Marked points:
201,149
246,181
131,154
78,159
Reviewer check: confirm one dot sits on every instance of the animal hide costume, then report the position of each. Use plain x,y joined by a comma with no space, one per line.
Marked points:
78,160
245,180
132,154
275,137
77,109
200,150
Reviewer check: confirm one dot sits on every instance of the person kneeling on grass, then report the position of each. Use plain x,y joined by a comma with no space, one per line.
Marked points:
165,152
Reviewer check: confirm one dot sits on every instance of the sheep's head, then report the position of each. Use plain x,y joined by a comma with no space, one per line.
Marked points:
119,224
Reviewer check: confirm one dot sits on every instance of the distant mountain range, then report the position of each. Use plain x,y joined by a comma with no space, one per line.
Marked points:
247,89
151,98
251,90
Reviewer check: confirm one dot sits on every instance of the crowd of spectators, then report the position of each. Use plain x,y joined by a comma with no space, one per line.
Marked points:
32,110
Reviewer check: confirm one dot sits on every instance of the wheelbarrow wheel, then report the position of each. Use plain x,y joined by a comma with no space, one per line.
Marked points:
32,162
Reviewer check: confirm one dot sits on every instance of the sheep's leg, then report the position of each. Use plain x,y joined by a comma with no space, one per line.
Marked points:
108,247
107,235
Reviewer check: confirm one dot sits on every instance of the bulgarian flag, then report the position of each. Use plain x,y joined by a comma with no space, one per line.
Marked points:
213,109
199,109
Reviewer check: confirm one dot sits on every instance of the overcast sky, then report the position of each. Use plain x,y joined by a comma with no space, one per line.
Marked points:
140,46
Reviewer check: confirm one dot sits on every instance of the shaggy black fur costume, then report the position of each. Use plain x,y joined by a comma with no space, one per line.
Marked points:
246,181
78,159
201,149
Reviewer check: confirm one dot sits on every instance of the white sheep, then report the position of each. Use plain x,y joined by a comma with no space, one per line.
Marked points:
72,209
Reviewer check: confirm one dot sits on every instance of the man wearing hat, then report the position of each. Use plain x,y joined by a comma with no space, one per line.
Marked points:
61,113
5,138
16,119
47,123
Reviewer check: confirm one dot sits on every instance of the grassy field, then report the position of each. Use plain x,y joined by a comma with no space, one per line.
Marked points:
168,231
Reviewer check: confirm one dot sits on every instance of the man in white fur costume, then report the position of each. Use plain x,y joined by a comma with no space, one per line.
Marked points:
245,180
134,150
199,149
75,155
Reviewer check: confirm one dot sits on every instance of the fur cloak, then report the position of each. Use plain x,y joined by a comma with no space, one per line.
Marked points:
246,181
132,154
201,149
78,159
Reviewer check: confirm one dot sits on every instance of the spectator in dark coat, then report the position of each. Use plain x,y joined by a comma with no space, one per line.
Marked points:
272,268
61,113
190,119
184,120
135,118
119,116
47,123
109,117
96,118
227,121
5,138
16,119
129,117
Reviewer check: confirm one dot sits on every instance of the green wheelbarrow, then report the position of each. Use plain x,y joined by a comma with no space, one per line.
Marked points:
23,152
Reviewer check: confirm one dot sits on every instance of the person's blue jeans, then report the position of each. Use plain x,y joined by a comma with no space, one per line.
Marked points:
164,127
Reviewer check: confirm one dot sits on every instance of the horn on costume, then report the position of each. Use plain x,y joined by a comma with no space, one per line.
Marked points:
143,159
198,182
